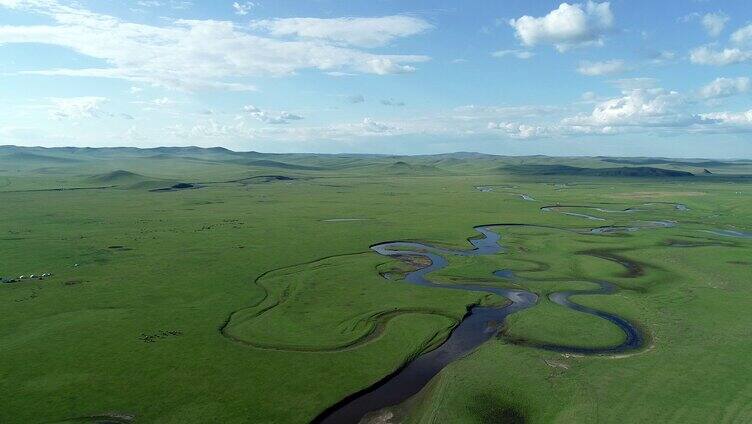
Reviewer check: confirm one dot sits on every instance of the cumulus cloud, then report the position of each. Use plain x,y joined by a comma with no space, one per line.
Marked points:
714,23
654,107
568,26
519,54
607,67
267,117
725,87
361,32
371,126
743,35
519,131
739,52
77,107
83,107
243,8
706,55
186,54
732,121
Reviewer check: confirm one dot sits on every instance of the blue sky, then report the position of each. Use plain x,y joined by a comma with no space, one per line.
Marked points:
636,78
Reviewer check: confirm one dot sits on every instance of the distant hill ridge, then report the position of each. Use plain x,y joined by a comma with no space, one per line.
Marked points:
636,171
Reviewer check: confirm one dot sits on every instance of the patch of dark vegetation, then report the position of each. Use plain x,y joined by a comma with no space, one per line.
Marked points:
117,177
633,268
33,295
266,163
235,224
119,248
161,334
254,179
627,171
271,178
491,410
108,418
59,189
695,243
177,187
739,263
646,161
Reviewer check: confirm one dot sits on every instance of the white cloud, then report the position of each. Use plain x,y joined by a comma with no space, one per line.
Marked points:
371,126
725,87
733,121
519,131
340,74
743,35
589,96
361,32
77,107
607,67
289,116
662,57
267,117
186,54
244,8
173,4
705,55
568,26
162,102
654,107
519,54
714,23
739,52
655,110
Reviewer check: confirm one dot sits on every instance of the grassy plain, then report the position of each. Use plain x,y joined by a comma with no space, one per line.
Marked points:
255,298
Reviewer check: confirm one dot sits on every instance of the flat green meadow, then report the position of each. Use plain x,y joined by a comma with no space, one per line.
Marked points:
253,297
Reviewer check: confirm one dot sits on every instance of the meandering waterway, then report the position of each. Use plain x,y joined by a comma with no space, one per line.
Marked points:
478,326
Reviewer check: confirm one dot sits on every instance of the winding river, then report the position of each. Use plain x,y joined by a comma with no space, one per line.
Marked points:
479,325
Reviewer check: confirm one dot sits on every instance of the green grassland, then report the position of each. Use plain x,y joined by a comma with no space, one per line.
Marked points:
253,297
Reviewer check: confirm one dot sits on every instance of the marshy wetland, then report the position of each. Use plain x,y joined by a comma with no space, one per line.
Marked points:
482,289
